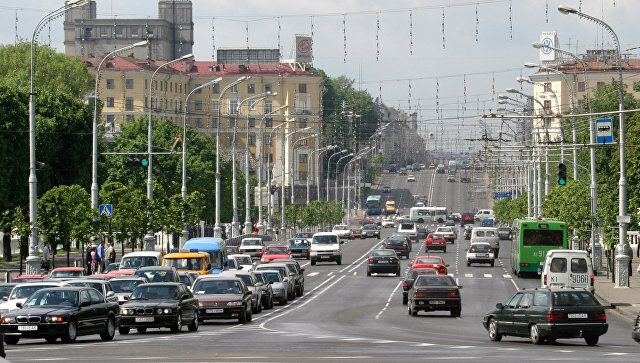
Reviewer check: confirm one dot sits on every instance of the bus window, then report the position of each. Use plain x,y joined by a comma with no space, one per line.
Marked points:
543,238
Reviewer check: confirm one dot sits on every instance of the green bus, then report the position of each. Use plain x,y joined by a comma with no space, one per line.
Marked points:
532,238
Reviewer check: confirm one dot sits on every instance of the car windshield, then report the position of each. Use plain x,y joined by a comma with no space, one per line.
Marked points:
23,292
444,229
151,292
217,286
185,279
427,260
156,275
124,286
184,263
406,226
325,240
304,235
434,280
272,276
248,281
243,260
259,278
339,227
396,241
276,250
5,290
282,270
480,248
382,253
53,298
57,274
370,226
137,262
95,285
298,241
423,271
252,242
574,298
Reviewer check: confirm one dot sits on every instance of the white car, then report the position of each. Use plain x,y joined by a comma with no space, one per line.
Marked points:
408,229
325,246
411,178
342,230
251,246
449,233
388,223
240,262
480,253
22,292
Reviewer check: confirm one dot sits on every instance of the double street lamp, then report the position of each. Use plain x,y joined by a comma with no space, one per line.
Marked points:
329,170
318,150
293,167
335,190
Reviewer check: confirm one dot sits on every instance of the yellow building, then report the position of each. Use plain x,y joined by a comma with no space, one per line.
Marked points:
124,91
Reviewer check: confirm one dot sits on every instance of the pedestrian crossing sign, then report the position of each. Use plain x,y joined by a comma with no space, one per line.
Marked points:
105,210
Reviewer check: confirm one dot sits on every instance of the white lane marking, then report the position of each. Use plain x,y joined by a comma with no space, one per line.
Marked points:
462,346
468,275
388,300
514,284
384,341
305,264
355,273
616,353
313,274
487,275
352,339
506,276
424,345
330,273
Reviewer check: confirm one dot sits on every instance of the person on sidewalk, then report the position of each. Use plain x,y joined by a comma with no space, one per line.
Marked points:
110,253
46,257
626,249
100,251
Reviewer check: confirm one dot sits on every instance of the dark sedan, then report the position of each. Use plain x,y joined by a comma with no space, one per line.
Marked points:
160,305
61,312
383,261
433,293
158,274
223,297
504,233
400,244
635,334
407,281
548,314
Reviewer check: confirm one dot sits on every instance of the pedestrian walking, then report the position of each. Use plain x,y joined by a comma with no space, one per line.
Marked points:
94,262
110,253
100,250
87,261
46,257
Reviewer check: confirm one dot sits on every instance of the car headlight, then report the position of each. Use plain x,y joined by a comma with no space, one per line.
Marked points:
127,311
167,311
234,303
54,319
158,311
8,320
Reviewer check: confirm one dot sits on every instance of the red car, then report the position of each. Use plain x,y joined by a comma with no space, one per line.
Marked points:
370,221
467,218
434,262
273,252
357,233
67,272
435,241
29,278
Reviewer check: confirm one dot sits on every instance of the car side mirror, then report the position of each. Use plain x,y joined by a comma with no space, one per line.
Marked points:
301,270
459,286
499,306
270,282
110,293
447,265
19,305
341,242
125,298
5,298
240,267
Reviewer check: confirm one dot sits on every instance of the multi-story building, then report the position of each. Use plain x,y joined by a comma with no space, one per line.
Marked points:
170,35
124,89
401,142
553,91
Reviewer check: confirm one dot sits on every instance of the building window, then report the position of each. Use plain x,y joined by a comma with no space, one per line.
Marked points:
198,122
252,140
303,123
214,121
302,88
170,86
215,105
119,30
146,83
215,88
110,102
104,32
111,119
198,105
267,87
87,33
128,83
251,88
582,86
268,158
268,122
232,108
268,107
302,175
146,102
600,85
547,105
232,122
198,90
135,31
252,122
233,89
547,86
111,83
267,140
302,158
581,104
128,104
302,142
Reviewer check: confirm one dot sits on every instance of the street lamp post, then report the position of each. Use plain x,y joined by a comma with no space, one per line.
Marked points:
335,190
270,180
329,169
293,169
183,190
318,150
149,239
621,273
285,173
33,261
217,230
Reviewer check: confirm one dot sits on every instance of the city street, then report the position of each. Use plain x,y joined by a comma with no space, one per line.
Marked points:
346,316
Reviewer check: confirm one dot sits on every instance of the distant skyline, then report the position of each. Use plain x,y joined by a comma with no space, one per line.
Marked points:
465,70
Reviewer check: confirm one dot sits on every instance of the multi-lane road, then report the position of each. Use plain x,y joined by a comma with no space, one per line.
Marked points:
347,316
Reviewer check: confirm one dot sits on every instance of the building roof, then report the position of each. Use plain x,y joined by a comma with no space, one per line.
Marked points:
198,68
596,66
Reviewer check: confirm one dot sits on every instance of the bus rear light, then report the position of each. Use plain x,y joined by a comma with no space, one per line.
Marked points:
524,265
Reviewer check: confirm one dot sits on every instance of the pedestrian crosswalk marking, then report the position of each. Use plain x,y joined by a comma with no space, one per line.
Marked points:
313,274
506,276
468,275
487,275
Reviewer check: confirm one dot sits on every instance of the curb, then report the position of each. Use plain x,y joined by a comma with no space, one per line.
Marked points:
616,308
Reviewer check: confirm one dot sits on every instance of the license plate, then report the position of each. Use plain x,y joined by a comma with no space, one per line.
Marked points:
144,319
27,327
577,316
215,311
383,261
483,255
436,302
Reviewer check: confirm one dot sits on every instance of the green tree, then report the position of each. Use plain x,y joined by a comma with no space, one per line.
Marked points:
570,204
129,211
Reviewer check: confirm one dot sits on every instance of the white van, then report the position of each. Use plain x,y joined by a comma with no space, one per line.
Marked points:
135,260
484,214
568,269
325,246
486,235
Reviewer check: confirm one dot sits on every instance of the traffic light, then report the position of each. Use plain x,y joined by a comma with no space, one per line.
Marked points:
562,174
133,162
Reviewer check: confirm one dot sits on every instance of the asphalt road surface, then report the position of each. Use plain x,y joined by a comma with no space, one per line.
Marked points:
347,316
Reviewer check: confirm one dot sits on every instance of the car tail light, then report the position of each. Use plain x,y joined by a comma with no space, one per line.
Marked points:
453,294
421,294
544,280
405,284
600,316
370,259
592,280
555,315
441,270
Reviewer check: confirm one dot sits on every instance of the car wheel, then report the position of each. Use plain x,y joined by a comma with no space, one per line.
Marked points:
468,264
109,330
414,312
141,330
177,327
405,299
493,331
339,261
409,309
591,339
398,272
406,255
550,340
71,333
492,263
299,291
242,319
49,339
195,323
534,335
271,303
308,257
456,312
313,263
123,330
11,339
368,272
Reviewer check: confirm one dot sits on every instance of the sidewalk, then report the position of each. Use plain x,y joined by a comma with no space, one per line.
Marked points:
626,301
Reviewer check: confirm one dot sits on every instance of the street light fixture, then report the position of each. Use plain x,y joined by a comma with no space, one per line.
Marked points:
33,260
285,146
317,166
335,189
621,273
293,168
329,170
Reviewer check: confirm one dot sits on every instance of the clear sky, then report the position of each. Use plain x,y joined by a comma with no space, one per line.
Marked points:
484,46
